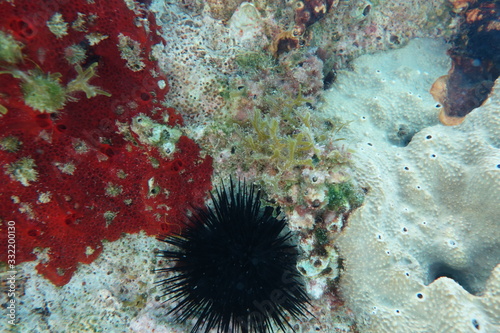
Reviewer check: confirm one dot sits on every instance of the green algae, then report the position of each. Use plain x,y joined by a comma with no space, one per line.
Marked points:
10,144
23,170
268,143
10,49
255,61
152,133
343,197
42,91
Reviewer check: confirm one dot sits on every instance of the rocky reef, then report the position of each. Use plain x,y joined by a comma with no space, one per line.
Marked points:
117,119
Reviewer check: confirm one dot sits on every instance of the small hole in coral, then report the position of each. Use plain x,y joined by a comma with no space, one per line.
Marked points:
177,165
419,295
145,97
43,120
61,128
369,144
404,229
394,40
428,137
34,233
406,168
366,10
433,155
475,323
327,271
22,28
438,105
109,152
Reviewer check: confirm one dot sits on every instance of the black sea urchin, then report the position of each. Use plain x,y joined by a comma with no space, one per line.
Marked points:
234,266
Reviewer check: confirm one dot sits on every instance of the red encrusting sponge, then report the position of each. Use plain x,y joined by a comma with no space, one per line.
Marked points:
75,174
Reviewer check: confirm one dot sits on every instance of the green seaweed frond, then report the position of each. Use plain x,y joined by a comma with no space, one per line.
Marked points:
297,101
10,144
344,196
23,170
283,151
255,61
10,49
81,82
3,110
43,92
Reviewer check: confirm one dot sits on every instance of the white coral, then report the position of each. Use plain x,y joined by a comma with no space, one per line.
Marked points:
422,254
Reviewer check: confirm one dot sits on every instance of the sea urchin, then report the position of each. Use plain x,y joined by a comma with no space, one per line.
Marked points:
234,266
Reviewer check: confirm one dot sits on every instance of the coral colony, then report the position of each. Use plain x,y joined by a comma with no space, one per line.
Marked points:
287,162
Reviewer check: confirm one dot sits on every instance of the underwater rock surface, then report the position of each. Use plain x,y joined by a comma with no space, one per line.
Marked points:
419,254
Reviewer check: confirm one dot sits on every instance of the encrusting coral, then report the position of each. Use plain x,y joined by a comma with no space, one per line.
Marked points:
422,253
